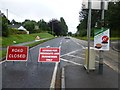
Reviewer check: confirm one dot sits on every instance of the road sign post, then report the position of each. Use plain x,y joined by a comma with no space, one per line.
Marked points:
49,54
88,33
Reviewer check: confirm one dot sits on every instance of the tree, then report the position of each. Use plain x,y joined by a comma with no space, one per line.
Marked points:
55,26
112,19
64,26
43,25
29,25
5,30
69,33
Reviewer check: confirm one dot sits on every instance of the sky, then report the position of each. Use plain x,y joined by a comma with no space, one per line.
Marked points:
43,9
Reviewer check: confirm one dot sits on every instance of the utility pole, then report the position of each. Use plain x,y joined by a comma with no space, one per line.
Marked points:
102,27
89,32
7,13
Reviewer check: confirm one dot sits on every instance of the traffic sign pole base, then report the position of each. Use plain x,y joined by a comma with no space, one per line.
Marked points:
100,68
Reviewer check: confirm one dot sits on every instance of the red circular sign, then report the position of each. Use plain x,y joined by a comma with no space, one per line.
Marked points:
105,39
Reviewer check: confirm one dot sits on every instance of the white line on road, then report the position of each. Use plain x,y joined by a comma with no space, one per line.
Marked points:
52,85
76,56
63,78
47,46
70,52
71,62
79,44
60,43
2,61
67,41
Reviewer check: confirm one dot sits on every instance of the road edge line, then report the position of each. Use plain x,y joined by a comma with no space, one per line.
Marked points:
52,85
63,79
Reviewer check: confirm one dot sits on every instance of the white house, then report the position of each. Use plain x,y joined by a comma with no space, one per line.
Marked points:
22,28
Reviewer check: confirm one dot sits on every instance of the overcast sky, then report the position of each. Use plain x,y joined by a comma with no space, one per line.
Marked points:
43,9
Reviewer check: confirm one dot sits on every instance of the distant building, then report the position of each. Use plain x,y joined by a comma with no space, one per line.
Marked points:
19,27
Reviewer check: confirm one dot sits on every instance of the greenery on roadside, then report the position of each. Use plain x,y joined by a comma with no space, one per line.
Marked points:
54,26
39,42
19,38
92,38
3,52
111,21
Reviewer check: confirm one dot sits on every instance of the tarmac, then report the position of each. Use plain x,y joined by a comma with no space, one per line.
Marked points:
77,77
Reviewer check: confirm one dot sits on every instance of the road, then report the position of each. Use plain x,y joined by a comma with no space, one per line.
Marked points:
34,75
42,75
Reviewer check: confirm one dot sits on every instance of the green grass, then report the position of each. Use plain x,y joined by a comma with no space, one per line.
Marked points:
6,41
92,38
39,42
3,53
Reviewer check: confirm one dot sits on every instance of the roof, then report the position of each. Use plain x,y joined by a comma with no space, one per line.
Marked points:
21,28
15,25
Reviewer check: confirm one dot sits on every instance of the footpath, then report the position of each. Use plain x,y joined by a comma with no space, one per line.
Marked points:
76,77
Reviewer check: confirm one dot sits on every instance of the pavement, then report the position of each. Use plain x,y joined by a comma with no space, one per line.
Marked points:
74,74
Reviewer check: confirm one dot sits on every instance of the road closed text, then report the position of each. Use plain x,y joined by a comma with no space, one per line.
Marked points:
17,53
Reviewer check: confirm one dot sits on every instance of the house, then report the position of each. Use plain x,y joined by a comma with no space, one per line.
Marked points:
19,27
22,28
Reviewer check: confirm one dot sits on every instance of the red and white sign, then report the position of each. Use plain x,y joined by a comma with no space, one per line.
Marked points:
17,53
49,55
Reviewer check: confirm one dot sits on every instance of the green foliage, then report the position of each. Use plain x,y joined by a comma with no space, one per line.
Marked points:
64,26
69,33
29,25
57,27
19,38
5,31
112,20
13,31
113,16
43,26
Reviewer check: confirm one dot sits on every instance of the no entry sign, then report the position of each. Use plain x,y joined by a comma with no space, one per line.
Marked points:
17,53
49,55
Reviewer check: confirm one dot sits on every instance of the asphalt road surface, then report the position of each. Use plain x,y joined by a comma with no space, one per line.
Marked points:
33,74
43,75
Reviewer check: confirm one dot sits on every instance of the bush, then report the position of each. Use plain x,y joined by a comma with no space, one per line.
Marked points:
13,31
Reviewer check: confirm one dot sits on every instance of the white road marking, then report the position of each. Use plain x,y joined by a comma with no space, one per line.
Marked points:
63,78
79,44
67,41
70,53
2,61
60,43
52,85
76,56
47,46
71,62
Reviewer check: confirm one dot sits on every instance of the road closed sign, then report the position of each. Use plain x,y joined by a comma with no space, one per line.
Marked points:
17,53
101,39
49,54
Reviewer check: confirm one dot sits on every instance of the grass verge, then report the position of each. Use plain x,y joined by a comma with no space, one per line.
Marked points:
92,38
3,52
20,38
